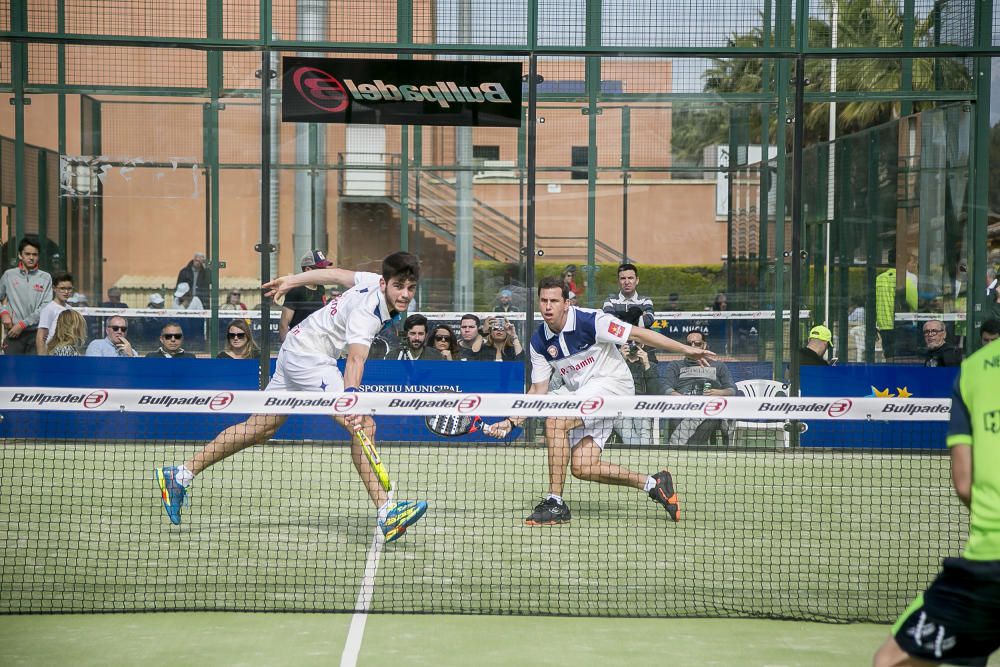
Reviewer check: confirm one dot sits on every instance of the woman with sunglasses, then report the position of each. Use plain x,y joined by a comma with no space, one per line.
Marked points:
443,340
239,342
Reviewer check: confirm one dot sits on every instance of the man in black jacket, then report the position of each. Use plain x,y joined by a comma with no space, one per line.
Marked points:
939,351
195,274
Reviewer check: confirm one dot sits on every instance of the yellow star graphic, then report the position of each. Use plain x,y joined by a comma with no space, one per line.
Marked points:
882,393
903,392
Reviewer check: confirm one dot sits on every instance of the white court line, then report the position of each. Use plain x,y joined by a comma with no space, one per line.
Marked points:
352,647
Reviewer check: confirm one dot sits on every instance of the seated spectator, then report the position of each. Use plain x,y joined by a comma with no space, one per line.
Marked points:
185,299
114,344
646,377
444,341
689,377
171,341
503,303
239,342
233,302
939,351
674,302
989,331
816,347
502,343
69,335
156,301
470,343
413,346
721,302
62,290
114,299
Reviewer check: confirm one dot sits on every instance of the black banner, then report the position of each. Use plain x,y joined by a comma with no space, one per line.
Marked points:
400,92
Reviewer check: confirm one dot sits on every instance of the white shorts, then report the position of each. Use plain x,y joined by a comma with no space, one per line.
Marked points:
597,428
305,372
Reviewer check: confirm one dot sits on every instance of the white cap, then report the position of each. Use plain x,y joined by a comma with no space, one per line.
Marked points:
182,289
156,298
77,298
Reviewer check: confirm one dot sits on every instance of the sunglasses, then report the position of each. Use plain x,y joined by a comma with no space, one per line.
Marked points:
442,337
117,328
173,336
238,334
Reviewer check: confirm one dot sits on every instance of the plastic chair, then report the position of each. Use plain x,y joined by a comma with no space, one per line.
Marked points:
755,431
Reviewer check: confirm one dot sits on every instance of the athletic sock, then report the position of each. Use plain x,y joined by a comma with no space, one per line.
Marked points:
554,497
650,483
184,476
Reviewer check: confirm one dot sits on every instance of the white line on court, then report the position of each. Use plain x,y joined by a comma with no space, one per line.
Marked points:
352,647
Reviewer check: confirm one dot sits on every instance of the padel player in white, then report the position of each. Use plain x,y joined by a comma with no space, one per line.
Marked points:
307,361
582,346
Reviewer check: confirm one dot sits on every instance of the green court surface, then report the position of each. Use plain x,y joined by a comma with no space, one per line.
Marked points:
802,534
221,639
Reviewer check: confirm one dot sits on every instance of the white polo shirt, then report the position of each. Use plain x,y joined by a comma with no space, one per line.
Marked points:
356,316
584,354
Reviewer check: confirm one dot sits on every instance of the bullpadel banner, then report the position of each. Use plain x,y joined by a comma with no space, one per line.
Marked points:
400,92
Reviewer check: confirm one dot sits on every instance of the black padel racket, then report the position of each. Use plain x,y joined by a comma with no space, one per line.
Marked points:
452,426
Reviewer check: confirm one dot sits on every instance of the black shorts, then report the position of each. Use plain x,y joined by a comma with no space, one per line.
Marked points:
957,619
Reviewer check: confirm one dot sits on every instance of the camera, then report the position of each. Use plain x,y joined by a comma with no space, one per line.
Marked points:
632,347
499,324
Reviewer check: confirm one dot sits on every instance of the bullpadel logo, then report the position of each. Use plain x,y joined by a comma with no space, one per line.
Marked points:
328,93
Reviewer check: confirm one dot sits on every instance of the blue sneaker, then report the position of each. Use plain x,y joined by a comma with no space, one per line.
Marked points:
401,514
174,495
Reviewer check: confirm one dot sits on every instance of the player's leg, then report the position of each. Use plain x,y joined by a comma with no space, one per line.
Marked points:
394,516
174,480
587,464
553,510
890,655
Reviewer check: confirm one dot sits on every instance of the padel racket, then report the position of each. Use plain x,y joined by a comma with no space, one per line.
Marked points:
373,458
452,426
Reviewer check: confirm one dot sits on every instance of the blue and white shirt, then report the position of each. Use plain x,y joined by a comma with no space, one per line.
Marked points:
584,354
356,316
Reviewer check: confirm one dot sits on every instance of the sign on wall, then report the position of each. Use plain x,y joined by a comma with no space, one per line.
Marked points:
400,92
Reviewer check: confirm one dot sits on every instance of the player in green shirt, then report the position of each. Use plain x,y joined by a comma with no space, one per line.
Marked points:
957,619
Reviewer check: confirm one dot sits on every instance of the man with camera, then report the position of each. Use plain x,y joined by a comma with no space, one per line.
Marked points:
642,363
692,377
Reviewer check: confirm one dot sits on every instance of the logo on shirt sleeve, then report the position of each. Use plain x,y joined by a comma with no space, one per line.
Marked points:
616,330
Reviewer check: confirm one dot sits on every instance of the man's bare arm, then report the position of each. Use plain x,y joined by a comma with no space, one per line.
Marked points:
281,286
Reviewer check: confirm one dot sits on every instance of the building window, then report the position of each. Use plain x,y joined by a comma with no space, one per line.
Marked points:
579,157
485,152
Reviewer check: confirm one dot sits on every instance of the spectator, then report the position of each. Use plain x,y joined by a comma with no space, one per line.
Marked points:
69,334
646,377
992,306
233,302
413,346
185,299
939,352
817,345
689,377
114,299
25,291
171,340
444,341
721,302
470,343
301,302
571,298
991,280
62,290
503,302
888,297
239,342
196,276
114,344
628,305
569,280
156,301
989,331
674,302
502,343
333,293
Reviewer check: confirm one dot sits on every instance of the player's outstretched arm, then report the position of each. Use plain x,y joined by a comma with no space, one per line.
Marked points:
661,342
281,286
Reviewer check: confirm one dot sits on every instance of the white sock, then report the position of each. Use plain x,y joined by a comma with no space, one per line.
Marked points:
554,497
650,483
384,510
184,476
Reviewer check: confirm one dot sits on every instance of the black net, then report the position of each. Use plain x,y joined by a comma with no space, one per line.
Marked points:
783,519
